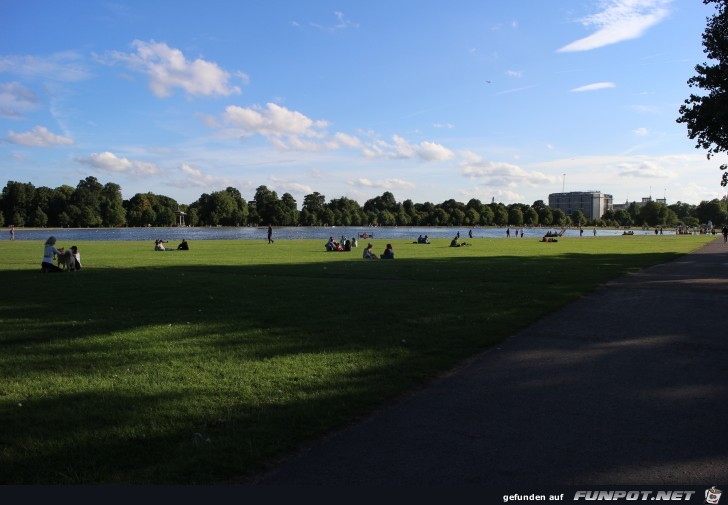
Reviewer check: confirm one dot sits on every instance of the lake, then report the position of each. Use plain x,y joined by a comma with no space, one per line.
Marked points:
290,233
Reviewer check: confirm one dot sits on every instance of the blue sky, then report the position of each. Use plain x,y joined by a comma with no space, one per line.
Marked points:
429,100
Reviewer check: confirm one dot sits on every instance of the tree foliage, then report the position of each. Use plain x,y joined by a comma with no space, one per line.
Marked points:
93,204
706,116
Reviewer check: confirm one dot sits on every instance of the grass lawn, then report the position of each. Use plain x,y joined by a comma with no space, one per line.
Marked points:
205,366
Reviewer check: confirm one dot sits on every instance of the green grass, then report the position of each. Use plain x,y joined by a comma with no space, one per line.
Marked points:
207,365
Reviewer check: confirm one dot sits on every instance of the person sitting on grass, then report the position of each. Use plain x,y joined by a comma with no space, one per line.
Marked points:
184,246
388,253
49,252
76,257
159,245
368,254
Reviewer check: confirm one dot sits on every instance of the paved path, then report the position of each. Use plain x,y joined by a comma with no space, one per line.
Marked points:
628,385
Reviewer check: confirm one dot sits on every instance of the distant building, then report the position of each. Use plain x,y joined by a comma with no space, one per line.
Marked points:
646,199
593,204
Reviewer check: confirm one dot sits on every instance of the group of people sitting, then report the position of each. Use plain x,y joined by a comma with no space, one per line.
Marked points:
159,245
423,240
387,255
345,244
70,260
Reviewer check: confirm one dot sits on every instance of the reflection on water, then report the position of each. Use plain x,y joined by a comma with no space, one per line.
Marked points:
293,233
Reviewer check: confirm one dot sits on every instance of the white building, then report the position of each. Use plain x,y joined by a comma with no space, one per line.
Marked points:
593,204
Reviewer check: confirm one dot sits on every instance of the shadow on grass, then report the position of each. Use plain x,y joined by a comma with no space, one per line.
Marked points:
125,374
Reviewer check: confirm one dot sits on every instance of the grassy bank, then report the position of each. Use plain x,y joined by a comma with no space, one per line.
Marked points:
207,365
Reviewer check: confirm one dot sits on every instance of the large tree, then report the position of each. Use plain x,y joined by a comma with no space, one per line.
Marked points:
707,116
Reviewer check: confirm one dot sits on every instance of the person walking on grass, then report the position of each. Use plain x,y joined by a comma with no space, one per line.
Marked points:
12,232
270,234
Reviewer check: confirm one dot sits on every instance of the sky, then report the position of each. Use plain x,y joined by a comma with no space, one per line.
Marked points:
426,99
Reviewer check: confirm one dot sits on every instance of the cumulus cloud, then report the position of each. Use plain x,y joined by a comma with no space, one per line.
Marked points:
497,173
619,20
290,186
594,87
649,169
344,140
381,184
168,68
195,177
39,136
402,149
15,99
285,128
109,162
64,67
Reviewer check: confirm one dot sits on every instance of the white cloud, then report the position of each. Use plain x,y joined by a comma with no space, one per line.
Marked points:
594,87
342,23
644,168
641,132
284,186
402,149
498,173
381,184
514,73
272,121
619,20
65,67
489,193
39,136
109,162
344,140
197,178
167,68
16,99
449,126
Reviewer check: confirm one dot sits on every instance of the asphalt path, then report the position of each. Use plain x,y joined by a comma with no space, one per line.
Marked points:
628,385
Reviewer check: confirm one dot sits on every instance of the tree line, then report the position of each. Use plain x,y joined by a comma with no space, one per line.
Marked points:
92,204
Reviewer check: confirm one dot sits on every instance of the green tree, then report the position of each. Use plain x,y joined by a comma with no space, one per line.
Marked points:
500,215
441,217
713,210
112,206
38,218
515,216
578,217
384,202
654,214
486,216
623,218
545,215
59,202
139,210
289,210
266,206
706,117
530,217
17,201
457,217
240,213
87,198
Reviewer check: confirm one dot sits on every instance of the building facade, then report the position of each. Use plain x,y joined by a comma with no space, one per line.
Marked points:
593,204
